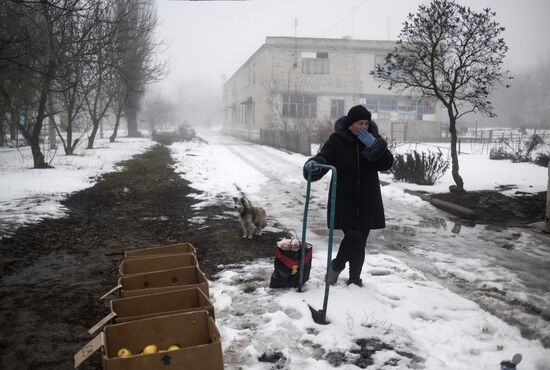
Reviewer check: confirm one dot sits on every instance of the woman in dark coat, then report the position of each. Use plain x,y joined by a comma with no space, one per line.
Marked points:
358,152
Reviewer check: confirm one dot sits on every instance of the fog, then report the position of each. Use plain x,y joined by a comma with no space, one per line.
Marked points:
207,41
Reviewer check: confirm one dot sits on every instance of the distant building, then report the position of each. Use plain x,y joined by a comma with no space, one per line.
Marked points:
297,83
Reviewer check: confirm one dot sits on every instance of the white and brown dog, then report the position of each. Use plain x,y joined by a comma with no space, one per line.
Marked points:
253,219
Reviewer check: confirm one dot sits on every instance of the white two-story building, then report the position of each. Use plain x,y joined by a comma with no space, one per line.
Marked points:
296,83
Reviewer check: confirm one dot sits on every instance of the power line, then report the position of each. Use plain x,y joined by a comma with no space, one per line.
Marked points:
344,17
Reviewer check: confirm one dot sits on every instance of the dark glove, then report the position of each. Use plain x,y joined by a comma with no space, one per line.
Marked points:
366,137
309,166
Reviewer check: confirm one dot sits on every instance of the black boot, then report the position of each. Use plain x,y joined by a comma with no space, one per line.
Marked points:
332,274
356,281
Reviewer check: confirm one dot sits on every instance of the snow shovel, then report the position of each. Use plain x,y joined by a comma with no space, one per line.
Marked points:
319,316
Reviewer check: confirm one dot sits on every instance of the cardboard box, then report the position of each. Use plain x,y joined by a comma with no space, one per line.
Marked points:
163,281
159,304
161,250
156,263
195,332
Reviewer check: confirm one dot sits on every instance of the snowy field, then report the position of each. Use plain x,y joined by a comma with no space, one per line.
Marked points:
423,324
29,195
479,172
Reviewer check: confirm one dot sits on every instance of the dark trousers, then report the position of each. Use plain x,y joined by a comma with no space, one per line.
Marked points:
352,250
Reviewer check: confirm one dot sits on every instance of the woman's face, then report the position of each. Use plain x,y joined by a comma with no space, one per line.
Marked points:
354,128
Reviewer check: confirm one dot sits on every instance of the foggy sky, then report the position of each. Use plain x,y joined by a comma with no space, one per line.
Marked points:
207,39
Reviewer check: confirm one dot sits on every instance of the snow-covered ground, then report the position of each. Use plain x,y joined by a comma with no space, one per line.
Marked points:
30,195
426,324
479,172
406,302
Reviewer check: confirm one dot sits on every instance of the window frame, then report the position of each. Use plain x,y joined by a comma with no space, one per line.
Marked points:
299,106
337,108
315,63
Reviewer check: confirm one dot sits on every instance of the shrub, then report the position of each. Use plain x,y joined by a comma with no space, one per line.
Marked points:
520,152
542,159
423,168
524,154
321,132
500,153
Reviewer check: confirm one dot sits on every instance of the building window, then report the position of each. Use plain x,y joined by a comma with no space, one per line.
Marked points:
372,104
246,113
337,108
315,63
423,107
404,109
388,104
299,106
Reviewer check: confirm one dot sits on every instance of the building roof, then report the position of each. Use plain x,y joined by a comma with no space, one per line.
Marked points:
321,44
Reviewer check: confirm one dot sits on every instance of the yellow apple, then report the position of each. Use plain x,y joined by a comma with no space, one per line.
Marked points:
124,352
174,347
151,348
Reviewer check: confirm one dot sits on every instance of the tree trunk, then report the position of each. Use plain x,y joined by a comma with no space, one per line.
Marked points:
91,138
34,137
69,149
51,132
51,125
131,118
37,156
454,154
112,138
14,117
2,126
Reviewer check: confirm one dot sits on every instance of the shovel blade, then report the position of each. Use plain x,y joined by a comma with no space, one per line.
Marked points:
318,316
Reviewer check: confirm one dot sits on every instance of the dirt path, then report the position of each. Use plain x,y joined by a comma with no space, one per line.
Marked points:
54,272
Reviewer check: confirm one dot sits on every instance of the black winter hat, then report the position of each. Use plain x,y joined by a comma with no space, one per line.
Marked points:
357,113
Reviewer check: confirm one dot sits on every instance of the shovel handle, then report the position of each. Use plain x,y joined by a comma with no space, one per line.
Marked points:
331,229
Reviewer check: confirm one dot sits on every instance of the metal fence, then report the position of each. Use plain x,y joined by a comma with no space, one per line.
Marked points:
513,139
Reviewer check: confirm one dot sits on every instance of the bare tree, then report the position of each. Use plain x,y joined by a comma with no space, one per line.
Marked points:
35,54
59,56
158,112
137,50
103,68
448,52
120,96
78,70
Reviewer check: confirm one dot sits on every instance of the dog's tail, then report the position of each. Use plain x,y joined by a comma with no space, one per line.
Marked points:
263,218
